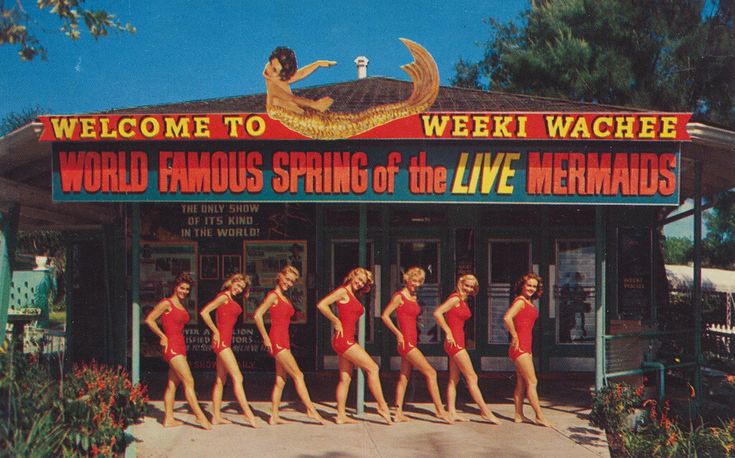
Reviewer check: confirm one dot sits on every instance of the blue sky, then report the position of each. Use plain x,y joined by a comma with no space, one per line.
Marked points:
193,50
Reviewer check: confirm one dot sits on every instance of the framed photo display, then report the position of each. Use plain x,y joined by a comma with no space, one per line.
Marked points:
231,264
209,267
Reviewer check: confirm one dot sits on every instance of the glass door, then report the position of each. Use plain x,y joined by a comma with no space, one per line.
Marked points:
508,260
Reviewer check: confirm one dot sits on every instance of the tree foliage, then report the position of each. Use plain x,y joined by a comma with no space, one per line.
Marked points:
16,21
678,250
658,54
17,119
719,244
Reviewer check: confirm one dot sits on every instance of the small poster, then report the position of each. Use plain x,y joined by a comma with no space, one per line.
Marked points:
264,259
231,264
209,267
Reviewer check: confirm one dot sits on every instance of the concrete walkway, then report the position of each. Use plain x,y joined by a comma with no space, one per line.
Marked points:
571,436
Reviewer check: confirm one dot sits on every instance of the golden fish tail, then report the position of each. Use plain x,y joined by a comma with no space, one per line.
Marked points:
333,125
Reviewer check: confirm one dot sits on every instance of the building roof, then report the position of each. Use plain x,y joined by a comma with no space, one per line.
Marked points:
358,95
714,280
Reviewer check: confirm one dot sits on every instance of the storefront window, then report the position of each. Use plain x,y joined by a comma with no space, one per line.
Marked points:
574,291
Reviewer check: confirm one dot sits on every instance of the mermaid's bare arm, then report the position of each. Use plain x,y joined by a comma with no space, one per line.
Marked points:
307,70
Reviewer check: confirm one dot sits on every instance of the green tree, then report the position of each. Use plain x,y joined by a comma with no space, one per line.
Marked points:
678,250
719,244
660,54
16,119
16,21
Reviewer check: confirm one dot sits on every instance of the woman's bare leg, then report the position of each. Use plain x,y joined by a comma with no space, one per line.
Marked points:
169,396
233,370
419,361
343,388
276,394
288,363
219,385
452,391
524,367
359,357
519,394
180,366
401,385
464,363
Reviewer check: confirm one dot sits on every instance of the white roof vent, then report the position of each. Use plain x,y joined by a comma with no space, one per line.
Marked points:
362,63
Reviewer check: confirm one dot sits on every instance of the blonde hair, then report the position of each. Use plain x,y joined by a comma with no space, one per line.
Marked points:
414,272
466,277
357,271
238,277
288,270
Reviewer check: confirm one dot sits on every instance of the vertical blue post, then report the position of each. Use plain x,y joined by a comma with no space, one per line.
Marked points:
9,221
362,260
600,282
135,292
697,280
131,449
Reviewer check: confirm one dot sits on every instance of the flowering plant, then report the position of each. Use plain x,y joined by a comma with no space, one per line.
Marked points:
612,404
661,436
100,403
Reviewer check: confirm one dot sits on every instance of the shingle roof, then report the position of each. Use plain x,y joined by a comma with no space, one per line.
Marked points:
358,95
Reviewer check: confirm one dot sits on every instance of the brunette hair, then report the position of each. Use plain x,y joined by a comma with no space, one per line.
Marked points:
287,58
183,277
469,277
368,277
237,278
414,272
518,288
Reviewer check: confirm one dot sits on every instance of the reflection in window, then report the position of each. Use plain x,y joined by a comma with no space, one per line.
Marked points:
574,291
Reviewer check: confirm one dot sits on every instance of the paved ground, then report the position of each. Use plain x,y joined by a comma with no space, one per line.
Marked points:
566,402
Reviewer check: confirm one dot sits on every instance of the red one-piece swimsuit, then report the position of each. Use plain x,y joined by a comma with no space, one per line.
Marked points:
523,322
349,313
281,313
173,322
406,314
455,319
227,314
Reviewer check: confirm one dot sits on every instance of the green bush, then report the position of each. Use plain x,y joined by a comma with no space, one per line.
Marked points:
30,424
661,436
99,404
612,404
86,415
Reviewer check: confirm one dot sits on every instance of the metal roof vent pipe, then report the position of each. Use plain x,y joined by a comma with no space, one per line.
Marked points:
362,63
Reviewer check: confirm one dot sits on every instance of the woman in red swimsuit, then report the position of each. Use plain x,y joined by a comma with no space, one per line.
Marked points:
228,311
519,320
451,316
350,353
279,345
405,304
174,317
